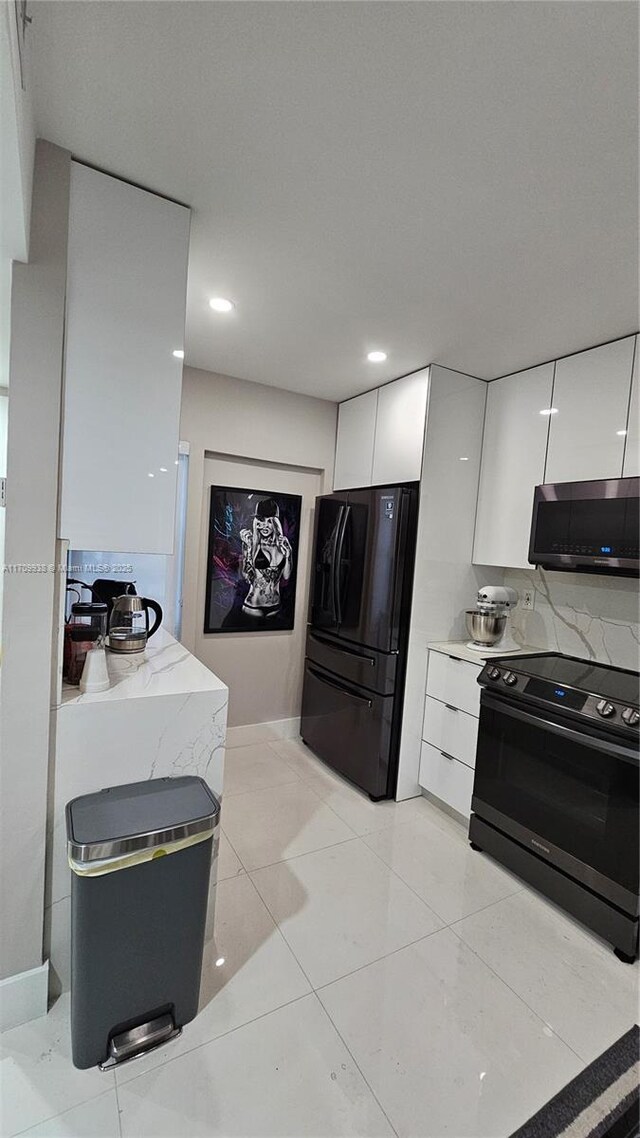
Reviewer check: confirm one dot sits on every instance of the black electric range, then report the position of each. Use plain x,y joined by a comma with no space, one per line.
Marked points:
556,788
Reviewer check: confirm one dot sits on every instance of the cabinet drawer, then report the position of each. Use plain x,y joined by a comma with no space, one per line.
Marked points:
448,779
450,730
454,681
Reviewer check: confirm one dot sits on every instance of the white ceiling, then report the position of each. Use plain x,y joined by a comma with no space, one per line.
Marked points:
446,181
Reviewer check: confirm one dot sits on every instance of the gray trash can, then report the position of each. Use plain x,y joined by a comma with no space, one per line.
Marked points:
141,858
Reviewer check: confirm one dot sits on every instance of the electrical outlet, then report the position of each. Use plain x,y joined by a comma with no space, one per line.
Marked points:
528,599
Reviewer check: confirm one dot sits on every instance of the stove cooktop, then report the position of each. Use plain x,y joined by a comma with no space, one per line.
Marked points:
580,687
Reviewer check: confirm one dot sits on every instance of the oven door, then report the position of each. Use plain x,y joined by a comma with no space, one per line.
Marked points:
570,797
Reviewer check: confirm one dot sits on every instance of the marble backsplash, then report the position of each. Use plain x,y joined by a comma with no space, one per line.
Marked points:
579,614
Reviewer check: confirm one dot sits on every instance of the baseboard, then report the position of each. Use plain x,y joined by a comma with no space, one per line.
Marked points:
24,996
262,732
446,809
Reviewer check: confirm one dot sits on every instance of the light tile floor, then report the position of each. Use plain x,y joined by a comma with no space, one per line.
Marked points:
370,975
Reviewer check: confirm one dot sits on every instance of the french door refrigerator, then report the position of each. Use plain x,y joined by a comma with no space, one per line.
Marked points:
361,581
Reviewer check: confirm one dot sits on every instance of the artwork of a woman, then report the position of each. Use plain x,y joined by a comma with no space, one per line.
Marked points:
252,561
266,560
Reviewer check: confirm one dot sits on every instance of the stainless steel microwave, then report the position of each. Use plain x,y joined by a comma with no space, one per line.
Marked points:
587,527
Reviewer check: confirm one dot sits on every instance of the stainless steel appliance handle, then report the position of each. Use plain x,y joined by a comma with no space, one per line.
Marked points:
333,561
582,737
332,684
343,651
342,525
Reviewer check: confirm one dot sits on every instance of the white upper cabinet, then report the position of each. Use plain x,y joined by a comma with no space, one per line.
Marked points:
513,457
631,466
354,445
126,297
399,437
590,401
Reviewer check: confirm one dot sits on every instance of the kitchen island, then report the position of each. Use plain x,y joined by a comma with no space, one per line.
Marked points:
164,715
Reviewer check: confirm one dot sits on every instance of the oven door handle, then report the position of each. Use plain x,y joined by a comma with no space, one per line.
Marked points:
594,743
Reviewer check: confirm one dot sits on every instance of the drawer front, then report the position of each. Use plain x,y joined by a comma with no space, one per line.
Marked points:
348,728
363,666
450,730
448,779
454,681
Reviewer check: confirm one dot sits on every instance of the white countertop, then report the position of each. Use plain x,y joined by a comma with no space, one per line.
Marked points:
460,649
164,668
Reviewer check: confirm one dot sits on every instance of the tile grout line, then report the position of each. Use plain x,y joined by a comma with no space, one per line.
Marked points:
228,839
118,1106
245,1023
522,1000
378,959
280,932
319,1001
355,1063
214,1039
53,1117
407,886
445,924
352,972
307,853
256,789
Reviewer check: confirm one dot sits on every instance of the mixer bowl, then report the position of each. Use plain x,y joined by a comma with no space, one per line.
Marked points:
485,628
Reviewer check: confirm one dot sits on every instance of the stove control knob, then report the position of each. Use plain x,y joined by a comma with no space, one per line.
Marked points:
631,716
605,709
510,678
494,673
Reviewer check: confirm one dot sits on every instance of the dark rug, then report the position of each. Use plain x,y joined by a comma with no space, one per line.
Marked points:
603,1101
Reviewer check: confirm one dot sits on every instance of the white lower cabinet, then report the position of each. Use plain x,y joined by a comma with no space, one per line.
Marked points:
454,681
446,778
450,730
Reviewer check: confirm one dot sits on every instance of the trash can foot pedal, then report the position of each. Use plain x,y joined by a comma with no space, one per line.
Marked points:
140,1040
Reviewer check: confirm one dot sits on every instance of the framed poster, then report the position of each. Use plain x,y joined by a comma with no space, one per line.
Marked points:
252,560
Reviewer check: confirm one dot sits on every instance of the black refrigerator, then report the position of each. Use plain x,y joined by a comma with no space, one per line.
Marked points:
360,604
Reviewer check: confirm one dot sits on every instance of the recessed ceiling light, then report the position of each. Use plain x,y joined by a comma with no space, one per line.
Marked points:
549,411
220,304
220,962
376,357
150,475
163,470
179,354
621,432
464,458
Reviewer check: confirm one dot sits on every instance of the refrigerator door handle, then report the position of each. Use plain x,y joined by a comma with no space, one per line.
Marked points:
331,563
398,567
337,558
343,651
332,684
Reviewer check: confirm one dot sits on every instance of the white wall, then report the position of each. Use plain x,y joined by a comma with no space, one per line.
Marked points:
445,581
37,321
4,411
580,614
247,433
17,134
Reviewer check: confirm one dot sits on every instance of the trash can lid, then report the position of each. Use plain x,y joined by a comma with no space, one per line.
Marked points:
140,815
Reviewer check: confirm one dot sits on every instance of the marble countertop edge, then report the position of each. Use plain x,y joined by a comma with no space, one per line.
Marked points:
461,650
167,669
